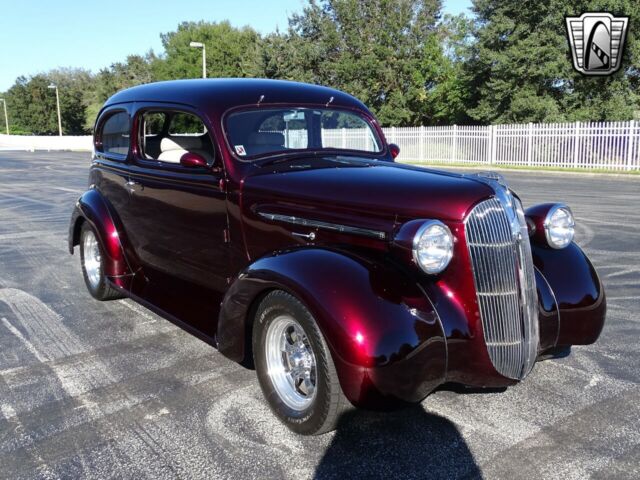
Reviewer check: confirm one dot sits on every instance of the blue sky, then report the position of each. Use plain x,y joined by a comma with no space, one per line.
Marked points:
37,36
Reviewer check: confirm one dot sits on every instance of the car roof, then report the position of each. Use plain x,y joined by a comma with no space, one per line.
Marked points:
224,93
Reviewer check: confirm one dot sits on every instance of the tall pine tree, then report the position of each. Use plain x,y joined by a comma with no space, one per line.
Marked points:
520,66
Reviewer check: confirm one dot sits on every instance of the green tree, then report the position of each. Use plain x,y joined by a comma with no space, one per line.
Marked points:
3,95
229,51
448,93
384,52
32,105
520,69
73,85
135,70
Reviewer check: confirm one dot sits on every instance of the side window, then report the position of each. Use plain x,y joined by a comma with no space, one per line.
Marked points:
167,135
115,136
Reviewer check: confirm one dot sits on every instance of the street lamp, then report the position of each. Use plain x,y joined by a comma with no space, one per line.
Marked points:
6,118
204,56
58,104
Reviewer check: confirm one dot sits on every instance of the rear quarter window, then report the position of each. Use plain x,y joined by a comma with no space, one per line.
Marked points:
115,134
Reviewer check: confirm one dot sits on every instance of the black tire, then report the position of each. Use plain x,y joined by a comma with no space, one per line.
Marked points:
329,402
100,290
560,351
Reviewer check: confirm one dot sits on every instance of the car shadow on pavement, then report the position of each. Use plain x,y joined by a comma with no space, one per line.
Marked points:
407,443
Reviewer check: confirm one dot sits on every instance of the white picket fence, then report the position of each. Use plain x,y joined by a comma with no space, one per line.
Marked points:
594,145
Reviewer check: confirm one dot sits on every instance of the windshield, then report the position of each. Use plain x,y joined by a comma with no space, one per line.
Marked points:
265,131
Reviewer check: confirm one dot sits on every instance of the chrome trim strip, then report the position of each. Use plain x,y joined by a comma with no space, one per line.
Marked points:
335,227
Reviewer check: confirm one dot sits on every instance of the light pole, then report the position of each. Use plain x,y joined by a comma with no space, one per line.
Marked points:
6,118
204,56
55,87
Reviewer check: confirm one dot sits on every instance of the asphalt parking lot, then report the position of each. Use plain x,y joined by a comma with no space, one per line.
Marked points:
110,390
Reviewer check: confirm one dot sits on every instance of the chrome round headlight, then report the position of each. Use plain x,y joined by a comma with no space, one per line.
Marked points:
559,226
433,246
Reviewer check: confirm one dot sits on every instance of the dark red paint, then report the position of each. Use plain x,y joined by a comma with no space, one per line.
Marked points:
92,208
190,242
394,149
192,160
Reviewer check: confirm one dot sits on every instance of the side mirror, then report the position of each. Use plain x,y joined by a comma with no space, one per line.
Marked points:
192,160
394,149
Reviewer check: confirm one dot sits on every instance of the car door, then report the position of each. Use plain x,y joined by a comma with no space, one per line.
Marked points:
181,216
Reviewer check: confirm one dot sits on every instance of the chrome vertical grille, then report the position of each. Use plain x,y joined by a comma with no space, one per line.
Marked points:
505,283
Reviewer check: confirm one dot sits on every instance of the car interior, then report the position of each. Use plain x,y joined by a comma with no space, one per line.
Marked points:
268,131
263,142
167,135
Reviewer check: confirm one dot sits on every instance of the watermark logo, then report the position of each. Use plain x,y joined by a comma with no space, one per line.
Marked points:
597,40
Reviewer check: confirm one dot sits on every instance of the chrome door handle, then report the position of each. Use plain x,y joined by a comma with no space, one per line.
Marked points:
132,184
309,236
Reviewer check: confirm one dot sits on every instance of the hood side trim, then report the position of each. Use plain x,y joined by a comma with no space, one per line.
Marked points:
335,227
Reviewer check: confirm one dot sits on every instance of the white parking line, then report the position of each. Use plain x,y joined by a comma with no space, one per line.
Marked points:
27,199
19,235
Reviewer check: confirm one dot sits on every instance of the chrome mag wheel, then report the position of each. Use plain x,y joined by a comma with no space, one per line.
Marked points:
291,363
92,258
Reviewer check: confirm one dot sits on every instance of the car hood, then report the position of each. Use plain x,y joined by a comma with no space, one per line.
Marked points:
361,192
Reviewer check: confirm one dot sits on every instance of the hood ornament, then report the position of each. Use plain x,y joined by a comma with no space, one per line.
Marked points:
495,176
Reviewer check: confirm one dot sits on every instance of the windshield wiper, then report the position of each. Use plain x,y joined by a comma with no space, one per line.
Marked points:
339,156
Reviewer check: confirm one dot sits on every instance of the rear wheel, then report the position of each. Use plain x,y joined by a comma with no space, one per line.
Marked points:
294,366
92,261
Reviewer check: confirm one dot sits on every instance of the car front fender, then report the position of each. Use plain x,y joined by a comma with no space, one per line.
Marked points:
578,292
385,337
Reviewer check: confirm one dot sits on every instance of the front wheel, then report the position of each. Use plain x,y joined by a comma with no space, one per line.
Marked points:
294,366
92,261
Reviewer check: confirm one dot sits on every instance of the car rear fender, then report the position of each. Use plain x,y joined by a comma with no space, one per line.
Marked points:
92,207
384,335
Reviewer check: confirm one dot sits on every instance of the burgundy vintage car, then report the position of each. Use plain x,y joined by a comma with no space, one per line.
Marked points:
270,219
